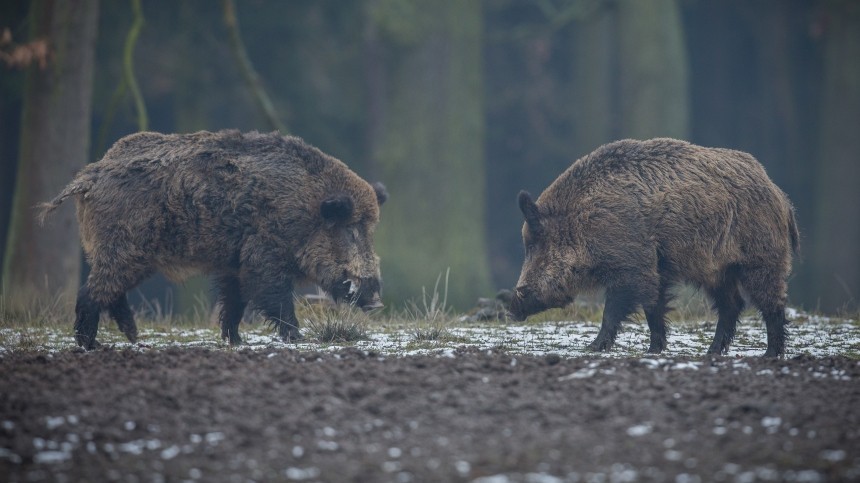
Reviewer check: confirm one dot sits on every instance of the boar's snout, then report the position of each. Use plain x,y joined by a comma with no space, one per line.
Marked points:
375,303
524,303
361,292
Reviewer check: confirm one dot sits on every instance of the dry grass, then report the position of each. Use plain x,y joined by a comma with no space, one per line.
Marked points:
327,323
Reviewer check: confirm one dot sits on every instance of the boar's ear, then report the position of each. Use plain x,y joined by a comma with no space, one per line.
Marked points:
381,192
529,209
336,208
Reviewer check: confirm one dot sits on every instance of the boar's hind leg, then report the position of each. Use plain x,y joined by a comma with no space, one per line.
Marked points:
620,303
656,316
121,313
767,290
728,303
232,307
87,312
106,286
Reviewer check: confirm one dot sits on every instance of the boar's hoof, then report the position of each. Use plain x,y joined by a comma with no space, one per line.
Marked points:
656,346
88,343
292,335
718,349
772,353
600,345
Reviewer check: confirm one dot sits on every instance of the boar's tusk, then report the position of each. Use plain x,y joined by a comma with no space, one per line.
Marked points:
353,287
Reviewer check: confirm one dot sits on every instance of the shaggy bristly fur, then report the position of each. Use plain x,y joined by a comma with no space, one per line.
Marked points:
256,211
636,217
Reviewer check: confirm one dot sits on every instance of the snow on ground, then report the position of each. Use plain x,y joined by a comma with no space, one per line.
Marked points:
808,335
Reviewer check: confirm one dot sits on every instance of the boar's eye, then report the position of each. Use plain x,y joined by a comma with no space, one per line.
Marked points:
336,208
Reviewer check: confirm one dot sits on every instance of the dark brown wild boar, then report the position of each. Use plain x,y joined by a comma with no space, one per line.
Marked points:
635,217
256,211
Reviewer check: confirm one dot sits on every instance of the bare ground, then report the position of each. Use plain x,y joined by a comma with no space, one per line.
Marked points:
278,415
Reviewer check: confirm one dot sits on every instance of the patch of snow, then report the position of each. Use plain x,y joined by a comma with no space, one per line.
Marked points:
463,467
299,474
54,422
170,452
639,430
832,455
327,445
51,457
580,374
9,455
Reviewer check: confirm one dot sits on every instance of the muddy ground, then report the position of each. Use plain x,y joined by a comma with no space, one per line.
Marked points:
280,415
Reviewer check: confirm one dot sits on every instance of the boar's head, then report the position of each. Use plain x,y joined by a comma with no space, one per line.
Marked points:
554,263
339,255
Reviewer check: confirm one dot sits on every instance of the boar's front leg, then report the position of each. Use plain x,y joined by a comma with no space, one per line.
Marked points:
232,306
287,323
281,312
620,303
273,295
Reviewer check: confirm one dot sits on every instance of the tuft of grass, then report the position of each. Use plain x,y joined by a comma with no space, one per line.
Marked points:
430,333
436,333
330,324
433,308
36,313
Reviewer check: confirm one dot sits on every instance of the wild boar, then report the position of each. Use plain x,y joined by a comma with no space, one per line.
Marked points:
636,217
256,211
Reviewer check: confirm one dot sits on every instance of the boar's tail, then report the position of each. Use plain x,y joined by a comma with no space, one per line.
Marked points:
80,185
794,234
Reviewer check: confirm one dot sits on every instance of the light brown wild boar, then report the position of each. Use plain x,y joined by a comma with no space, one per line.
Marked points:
256,211
636,217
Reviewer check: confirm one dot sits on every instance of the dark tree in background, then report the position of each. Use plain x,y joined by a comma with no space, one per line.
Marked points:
43,263
835,257
429,146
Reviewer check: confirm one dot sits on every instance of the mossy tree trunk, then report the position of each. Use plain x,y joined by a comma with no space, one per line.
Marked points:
594,98
652,69
426,138
44,263
836,230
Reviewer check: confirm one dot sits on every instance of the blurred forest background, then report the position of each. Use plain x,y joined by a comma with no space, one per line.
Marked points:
455,104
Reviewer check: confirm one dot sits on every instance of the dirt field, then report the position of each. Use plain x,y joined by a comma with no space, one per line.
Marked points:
475,415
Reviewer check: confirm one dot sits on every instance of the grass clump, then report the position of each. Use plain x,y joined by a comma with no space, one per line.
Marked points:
432,316
433,308
330,324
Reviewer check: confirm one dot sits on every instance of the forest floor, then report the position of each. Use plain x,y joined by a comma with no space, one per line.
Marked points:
489,402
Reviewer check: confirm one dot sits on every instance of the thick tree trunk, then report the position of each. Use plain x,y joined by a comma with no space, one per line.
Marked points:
652,70
595,81
429,147
836,234
43,263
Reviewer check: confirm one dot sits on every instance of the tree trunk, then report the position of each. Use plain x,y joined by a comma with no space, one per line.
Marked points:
836,234
652,70
44,263
429,148
594,81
